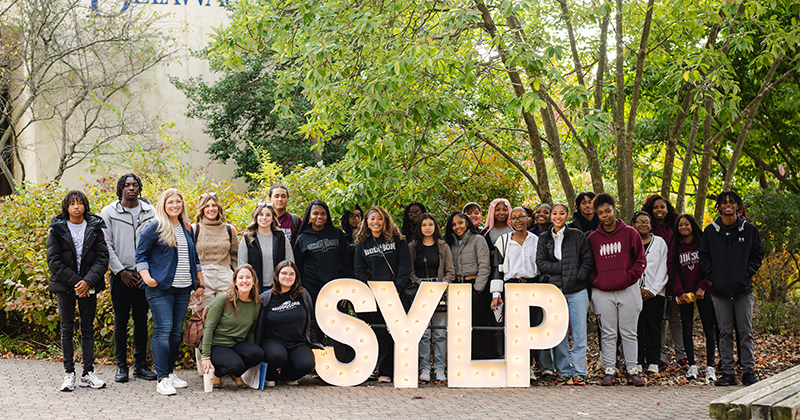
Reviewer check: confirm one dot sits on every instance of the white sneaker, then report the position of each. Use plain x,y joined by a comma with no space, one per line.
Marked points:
547,372
293,383
92,381
165,387
652,368
425,375
440,376
533,374
692,372
269,383
69,383
711,374
177,382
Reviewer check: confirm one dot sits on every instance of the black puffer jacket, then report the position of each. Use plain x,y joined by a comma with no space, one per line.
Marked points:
572,272
62,260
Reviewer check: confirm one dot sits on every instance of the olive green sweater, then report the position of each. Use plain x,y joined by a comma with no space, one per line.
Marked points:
227,329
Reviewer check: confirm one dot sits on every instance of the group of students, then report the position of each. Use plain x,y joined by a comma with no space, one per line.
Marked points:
260,290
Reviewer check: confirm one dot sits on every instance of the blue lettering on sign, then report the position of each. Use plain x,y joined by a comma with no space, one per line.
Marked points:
126,4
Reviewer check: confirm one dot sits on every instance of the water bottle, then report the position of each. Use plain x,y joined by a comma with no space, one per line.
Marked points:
690,296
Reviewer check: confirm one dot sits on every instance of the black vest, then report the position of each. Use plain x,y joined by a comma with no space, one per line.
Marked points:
254,254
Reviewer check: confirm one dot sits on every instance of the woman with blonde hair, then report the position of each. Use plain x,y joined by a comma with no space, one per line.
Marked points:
382,255
217,246
264,244
228,346
167,261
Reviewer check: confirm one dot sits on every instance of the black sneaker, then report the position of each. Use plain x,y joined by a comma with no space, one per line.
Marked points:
726,380
748,378
122,374
144,372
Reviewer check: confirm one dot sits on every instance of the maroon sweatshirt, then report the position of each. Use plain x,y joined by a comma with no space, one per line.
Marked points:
691,277
619,257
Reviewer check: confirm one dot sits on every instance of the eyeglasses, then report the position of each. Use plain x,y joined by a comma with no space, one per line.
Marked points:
212,194
355,215
519,218
641,222
264,203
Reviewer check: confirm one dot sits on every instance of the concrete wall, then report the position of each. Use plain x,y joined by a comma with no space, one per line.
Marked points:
157,97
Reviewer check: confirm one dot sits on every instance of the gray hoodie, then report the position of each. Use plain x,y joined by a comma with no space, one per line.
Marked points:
120,235
471,257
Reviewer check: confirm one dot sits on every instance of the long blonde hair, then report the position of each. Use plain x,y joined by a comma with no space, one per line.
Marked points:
252,227
166,230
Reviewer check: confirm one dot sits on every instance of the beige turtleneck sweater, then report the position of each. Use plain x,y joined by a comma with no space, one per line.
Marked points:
214,246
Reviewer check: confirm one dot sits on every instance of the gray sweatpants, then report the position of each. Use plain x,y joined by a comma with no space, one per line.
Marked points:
618,315
735,312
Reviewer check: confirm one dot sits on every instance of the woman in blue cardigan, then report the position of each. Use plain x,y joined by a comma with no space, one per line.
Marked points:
167,261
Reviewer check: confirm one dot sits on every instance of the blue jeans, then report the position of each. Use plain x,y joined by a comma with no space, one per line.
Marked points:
169,310
578,304
439,343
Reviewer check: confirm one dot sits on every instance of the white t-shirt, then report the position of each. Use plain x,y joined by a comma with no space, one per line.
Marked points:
77,232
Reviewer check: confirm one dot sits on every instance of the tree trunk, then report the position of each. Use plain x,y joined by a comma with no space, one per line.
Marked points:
554,145
619,119
737,150
637,89
543,184
687,164
672,143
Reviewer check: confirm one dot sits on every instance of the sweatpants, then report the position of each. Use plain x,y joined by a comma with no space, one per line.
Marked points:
735,312
706,310
672,316
235,360
618,315
649,333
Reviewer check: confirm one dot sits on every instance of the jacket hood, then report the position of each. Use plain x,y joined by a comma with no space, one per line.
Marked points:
93,221
146,207
305,224
620,225
717,224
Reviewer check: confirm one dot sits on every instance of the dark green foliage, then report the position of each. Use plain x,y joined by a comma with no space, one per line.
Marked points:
238,112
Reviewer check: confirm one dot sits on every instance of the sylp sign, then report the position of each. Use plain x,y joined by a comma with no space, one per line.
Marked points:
407,330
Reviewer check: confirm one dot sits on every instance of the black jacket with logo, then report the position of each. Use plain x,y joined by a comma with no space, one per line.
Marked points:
730,256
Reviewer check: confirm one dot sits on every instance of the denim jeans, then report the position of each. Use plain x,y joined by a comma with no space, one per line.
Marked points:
439,343
87,307
169,311
573,362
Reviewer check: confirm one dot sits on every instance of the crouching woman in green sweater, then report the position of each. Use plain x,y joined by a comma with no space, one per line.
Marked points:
228,347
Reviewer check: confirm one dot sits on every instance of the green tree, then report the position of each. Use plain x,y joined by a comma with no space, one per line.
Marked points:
238,114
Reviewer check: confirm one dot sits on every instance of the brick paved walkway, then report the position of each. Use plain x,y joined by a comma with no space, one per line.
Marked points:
28,390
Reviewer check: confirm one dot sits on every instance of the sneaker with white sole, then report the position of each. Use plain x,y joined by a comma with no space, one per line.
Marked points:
533,374
440,376
177,382
425,375
165,387
711,374
269,383
652,368
69,383
92,381
384,379
293,383
692,372
548,372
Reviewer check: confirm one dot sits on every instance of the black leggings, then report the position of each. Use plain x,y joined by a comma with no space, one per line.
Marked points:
293,363
649,330
235,360
706,309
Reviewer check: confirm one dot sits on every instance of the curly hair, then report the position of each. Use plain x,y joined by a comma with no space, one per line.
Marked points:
723,196
603,198
75,196
650,202
390,230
